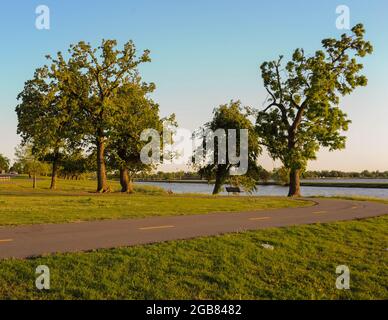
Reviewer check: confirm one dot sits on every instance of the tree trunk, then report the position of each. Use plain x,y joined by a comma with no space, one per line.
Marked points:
54,175
217,187
125,181
220,180
294,190
102,184
34,181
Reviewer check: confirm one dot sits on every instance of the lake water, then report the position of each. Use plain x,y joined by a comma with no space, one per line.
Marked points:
204,188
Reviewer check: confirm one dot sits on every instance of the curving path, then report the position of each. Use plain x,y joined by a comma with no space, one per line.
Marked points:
35,240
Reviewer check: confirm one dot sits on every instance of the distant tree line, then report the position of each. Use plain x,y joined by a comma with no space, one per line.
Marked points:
341,174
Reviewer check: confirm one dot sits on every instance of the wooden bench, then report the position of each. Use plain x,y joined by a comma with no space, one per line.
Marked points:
232,190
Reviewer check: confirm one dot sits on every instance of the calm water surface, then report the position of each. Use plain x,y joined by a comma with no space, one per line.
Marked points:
204,188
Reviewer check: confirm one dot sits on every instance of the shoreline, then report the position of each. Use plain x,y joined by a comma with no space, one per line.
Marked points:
360,185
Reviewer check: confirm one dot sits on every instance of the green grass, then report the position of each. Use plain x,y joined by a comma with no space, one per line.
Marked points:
234,266
21,185
75,201
358,198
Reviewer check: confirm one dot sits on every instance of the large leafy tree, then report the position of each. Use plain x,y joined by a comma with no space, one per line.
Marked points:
138,113
225,117
302,113
92,77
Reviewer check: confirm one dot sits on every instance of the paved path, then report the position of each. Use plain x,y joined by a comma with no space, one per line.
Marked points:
28,241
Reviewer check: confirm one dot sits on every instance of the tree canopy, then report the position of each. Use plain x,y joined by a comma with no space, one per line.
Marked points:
29,162
74,102
302,112
93,102
45,119
94,79
137,113
228,117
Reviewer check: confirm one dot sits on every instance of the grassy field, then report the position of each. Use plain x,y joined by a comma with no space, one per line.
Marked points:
21,185
234,266
75,201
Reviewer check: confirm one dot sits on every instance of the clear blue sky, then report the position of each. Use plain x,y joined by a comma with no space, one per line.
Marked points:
204,54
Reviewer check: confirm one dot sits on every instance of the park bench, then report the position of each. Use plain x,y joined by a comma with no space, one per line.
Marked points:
233,190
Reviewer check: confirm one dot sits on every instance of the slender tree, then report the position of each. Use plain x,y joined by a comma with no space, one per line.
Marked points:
29,161
302,113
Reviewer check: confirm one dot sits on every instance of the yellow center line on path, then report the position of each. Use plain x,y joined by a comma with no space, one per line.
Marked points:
157,227
6,240
319,212
260,218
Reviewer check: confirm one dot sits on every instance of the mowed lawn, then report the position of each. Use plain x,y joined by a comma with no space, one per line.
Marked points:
234,266
75,201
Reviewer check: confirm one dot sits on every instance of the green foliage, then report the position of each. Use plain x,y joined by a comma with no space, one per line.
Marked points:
45,116
231,116
92,78
281,175
4,163
302,114
76,165
17,167
365,174
264,175
79,101
248,184
137,113
29,163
